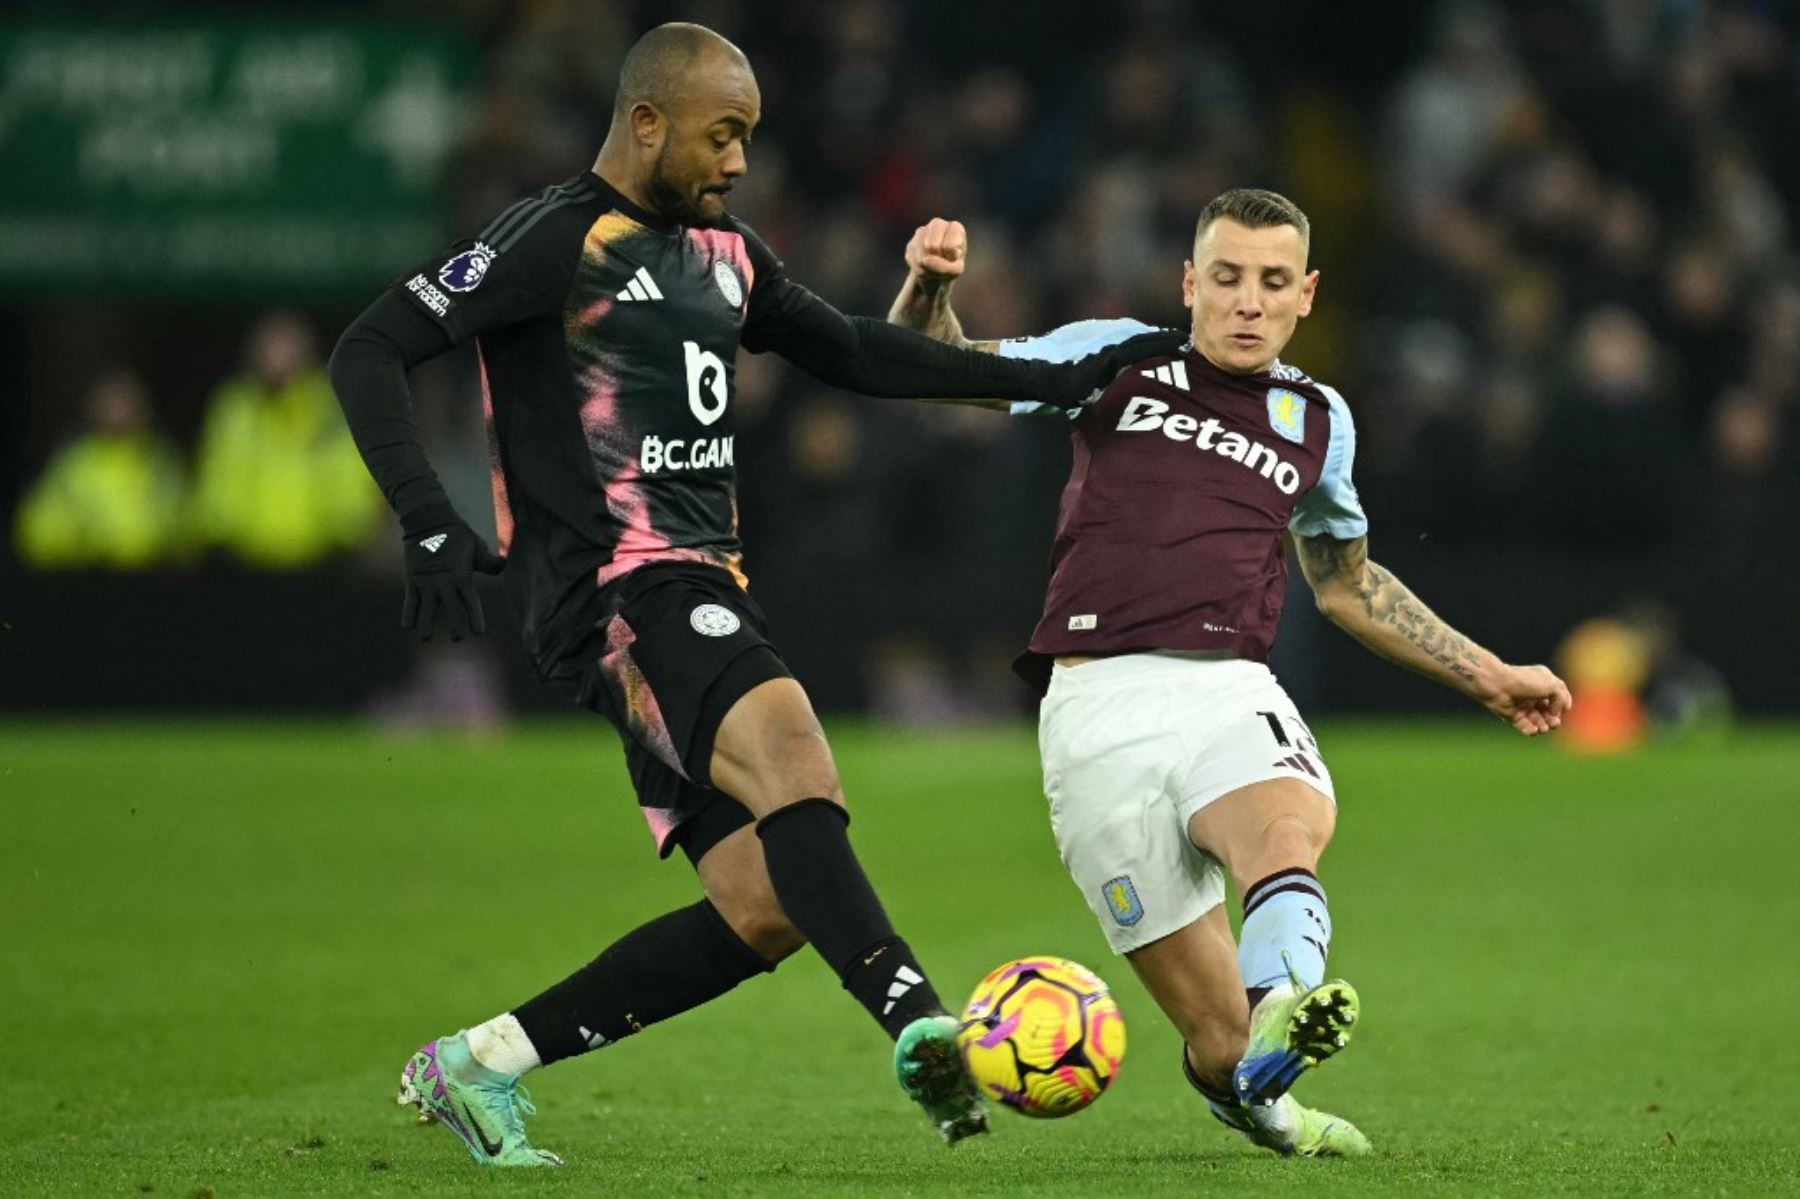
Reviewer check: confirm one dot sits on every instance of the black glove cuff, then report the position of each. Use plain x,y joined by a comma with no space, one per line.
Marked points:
429,518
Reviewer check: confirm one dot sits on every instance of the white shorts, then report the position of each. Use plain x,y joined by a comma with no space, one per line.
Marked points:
1132,747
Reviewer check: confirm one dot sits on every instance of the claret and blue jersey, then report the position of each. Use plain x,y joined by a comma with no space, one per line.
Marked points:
1183,480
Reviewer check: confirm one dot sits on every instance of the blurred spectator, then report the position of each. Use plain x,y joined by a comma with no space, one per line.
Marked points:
111,498
1452,106
1557,242
1751,489
278,481
1614,417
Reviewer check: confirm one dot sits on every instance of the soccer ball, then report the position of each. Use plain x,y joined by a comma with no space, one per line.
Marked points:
1043,1036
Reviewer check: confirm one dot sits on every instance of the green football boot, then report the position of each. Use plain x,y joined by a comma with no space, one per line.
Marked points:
483,1107
1321,1134
1293,1029
1293,1130
930,1067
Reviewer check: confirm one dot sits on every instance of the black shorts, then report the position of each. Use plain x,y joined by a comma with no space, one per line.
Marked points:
680,645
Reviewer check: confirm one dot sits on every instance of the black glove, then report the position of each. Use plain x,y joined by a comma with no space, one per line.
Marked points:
1073,384
442,554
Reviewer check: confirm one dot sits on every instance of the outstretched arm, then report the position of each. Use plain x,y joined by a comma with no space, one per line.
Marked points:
876,358
1365,600
935,259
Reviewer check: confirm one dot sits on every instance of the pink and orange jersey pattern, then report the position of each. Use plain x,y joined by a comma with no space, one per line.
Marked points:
1183,481
607,342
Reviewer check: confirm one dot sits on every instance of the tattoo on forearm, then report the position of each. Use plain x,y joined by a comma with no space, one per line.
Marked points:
940,320
929,312
1387,601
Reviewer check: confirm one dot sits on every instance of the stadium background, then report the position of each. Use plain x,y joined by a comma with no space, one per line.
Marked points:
1559,288
1560,291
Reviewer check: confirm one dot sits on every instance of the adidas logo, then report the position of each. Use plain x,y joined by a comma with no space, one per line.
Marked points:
1173,373
1298,762
435,542
594,1040
905,979
641,288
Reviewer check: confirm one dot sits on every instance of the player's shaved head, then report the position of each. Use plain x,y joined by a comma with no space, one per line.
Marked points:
663,64
681,125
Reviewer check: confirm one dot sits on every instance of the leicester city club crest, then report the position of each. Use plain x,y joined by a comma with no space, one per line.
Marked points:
728,284
1287,413
1122,899
714,620
466,270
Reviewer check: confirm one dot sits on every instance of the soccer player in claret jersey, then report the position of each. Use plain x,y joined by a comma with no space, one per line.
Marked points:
1172,758
607,312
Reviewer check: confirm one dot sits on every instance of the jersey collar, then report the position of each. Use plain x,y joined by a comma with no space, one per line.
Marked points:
616,199
1278,371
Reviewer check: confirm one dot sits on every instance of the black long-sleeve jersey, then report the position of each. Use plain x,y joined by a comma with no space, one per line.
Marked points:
607,339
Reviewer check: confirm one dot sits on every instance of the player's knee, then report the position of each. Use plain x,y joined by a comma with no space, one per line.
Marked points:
772,935
1294,839
745,900
756,917
751,910
796,764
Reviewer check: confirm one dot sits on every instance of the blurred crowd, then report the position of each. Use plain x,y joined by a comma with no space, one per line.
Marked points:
1560,286
274,482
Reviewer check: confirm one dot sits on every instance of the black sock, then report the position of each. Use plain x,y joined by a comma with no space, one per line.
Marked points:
824,892
1220,1102
677,961
1212,1094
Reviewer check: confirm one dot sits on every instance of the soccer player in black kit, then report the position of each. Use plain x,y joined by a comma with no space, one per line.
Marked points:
607,313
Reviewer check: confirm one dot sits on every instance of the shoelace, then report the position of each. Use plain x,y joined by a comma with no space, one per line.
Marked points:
518,1106
1293,974
522,1106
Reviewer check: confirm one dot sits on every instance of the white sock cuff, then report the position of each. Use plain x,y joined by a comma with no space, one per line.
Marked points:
502,1046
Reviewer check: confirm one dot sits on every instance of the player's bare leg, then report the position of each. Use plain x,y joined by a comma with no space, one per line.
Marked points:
1193,976
1270,836
736,880
771,754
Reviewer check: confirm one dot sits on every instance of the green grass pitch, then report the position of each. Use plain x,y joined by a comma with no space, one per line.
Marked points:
219,943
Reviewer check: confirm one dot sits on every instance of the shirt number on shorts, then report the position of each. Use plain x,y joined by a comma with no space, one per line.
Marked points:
1302,737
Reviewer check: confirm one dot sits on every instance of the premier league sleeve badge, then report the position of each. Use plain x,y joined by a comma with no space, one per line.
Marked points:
465,271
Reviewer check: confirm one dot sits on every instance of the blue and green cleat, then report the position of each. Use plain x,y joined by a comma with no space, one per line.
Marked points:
931,1070
484,1108
1292,1030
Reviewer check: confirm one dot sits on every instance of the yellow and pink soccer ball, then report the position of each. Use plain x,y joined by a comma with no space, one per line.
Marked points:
1042,1036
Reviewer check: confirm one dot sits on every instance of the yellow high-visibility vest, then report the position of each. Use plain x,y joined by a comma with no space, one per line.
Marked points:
278,480
104,501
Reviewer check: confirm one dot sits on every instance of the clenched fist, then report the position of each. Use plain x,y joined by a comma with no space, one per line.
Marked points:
1530,698
938,252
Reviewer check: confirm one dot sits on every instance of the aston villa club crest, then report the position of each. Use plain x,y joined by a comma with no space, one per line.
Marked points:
466,270
1287,413
1122,898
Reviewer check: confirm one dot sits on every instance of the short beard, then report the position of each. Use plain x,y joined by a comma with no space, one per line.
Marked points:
668,198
